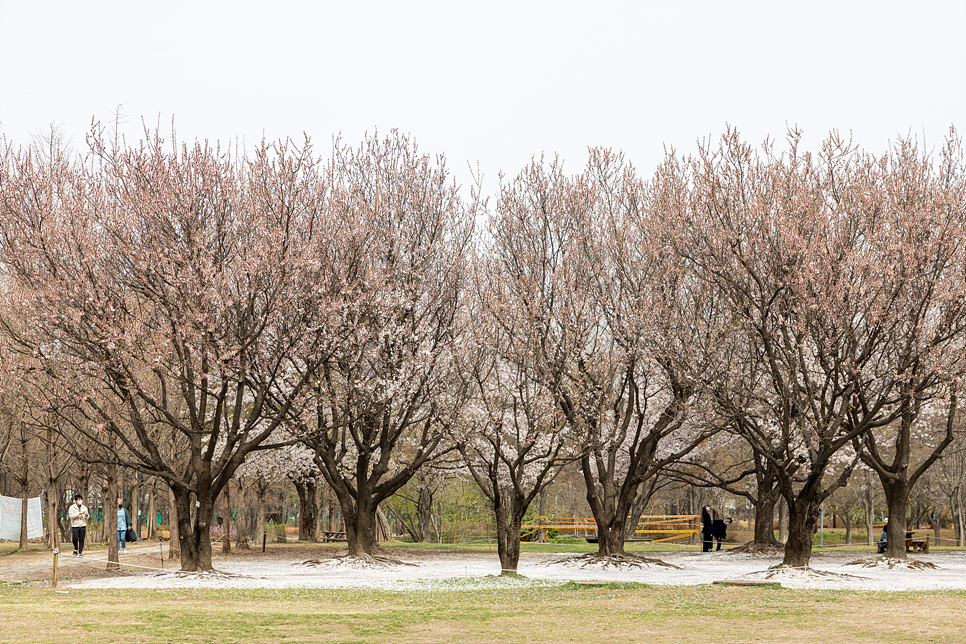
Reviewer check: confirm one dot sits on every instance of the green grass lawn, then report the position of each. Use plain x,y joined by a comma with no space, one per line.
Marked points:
501,610
488,610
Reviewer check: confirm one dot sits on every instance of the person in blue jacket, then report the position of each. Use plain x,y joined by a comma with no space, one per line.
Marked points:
123,523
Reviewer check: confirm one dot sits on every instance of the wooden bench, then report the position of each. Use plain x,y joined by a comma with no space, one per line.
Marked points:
332,536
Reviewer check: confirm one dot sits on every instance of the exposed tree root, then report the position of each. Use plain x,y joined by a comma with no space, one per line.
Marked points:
358,561
613,561
202,574
881,561
781,571
753,548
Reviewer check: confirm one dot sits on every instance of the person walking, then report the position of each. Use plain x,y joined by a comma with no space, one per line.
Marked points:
123,523
79,516
707,531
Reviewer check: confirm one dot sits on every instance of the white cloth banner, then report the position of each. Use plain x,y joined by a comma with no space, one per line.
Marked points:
10,508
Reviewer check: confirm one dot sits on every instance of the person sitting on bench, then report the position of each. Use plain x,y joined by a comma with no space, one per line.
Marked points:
884,539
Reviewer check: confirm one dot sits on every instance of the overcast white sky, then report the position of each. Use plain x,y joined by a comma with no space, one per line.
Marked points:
492,82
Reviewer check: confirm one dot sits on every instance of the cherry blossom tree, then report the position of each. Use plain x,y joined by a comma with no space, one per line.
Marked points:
169,289
588,267
513,438
382,406
806,257
919,225
748,225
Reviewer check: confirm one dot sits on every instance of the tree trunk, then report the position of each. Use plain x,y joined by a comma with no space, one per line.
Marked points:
53,525
610,540
63,521
23,519
52,538
424,512
317,524
84,482
193,529
509,504
508,542
692,510
360,525
24,487
782,521
241,525
869,509
959,521
307,490
103,509
542,509
610,508
383,527
226,522
260,511
765,518
174,542
897,498
437,521
151,521
359,501
136,504
802,524
329,510
111,494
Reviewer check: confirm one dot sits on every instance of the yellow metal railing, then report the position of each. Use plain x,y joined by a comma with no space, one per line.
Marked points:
677,525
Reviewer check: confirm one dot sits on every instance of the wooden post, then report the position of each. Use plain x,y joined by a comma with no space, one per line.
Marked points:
53,579
264,535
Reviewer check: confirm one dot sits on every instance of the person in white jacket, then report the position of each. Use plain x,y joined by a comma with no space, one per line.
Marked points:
79,517
123,524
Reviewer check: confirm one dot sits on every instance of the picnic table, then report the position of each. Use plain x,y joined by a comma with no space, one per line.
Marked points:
916,545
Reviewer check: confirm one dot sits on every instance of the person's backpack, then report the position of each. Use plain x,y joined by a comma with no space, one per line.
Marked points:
130,535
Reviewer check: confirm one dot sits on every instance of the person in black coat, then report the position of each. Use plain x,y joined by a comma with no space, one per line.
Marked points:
707,529
719,529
